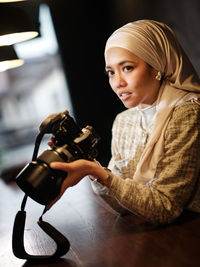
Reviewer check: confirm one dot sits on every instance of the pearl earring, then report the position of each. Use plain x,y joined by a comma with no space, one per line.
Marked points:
158,76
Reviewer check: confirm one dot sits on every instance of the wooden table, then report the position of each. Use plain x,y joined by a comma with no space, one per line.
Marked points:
99,237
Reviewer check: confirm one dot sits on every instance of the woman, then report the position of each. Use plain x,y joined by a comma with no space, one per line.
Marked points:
155,145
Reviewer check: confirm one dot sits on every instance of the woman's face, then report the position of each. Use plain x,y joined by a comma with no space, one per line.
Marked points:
131,78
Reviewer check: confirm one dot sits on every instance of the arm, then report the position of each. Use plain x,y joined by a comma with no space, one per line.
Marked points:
177,172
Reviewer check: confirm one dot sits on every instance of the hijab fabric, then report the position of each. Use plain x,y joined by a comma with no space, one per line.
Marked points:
156,44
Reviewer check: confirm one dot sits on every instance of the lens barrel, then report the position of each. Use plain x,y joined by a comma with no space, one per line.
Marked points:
39,181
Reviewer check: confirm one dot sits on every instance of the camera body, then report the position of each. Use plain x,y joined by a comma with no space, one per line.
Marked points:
38,180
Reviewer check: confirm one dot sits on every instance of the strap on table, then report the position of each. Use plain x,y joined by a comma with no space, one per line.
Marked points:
19,251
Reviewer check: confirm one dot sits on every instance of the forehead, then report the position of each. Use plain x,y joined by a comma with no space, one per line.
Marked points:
115,55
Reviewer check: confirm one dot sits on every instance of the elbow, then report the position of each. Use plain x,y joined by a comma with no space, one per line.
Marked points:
163,215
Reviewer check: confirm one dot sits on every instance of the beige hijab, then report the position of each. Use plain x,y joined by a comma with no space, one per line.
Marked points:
156,44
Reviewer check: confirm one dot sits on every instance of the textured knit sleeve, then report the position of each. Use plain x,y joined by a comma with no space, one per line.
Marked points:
163,200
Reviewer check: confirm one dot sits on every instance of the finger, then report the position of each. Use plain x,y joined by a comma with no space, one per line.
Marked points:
51,141
63,166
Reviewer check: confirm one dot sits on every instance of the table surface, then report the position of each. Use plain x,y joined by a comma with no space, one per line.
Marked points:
97,234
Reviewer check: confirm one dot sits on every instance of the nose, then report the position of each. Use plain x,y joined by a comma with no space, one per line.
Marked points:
119,82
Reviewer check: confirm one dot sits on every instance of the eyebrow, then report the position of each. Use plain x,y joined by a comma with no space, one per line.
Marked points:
121,63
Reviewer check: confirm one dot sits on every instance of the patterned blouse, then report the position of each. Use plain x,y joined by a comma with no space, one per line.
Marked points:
176,185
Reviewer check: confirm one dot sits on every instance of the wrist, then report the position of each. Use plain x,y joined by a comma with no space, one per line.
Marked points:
104,175
107,178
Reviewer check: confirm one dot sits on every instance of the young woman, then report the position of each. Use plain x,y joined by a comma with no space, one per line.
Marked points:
155,164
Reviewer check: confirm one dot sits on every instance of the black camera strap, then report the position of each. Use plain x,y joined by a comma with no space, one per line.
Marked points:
61,241
19,251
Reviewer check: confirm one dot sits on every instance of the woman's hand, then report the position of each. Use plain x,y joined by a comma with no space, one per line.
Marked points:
76,171
52,140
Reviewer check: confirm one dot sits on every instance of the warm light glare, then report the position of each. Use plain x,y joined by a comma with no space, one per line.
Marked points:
8,1
13,38
10,64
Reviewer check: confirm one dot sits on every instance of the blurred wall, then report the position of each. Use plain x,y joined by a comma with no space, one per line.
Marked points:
82,28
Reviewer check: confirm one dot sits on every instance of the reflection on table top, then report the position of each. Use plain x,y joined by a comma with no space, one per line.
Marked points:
97,234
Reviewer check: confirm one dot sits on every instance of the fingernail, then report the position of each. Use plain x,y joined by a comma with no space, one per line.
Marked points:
52,164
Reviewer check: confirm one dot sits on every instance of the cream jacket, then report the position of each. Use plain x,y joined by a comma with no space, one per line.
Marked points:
176,185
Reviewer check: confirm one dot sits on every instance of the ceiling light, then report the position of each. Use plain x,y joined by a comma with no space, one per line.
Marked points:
9,59
9,1
15,26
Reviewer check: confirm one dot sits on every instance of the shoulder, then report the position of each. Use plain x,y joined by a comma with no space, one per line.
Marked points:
124,116
125,119
185,121
187,111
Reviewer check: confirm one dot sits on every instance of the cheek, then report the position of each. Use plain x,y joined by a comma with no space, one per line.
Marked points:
150,74
143,79
136,80
111,82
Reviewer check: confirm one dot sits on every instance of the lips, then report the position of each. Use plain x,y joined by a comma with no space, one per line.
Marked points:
124,96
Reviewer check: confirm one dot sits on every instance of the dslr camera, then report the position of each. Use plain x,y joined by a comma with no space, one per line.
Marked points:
38,180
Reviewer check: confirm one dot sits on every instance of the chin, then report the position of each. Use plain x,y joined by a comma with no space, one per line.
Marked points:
131,105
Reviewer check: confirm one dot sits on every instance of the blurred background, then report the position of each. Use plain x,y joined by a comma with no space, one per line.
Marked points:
62,67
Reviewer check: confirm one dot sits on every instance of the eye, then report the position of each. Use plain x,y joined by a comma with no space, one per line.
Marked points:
128,68
109,73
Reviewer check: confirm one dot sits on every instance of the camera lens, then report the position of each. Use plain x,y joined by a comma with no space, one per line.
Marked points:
39,182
